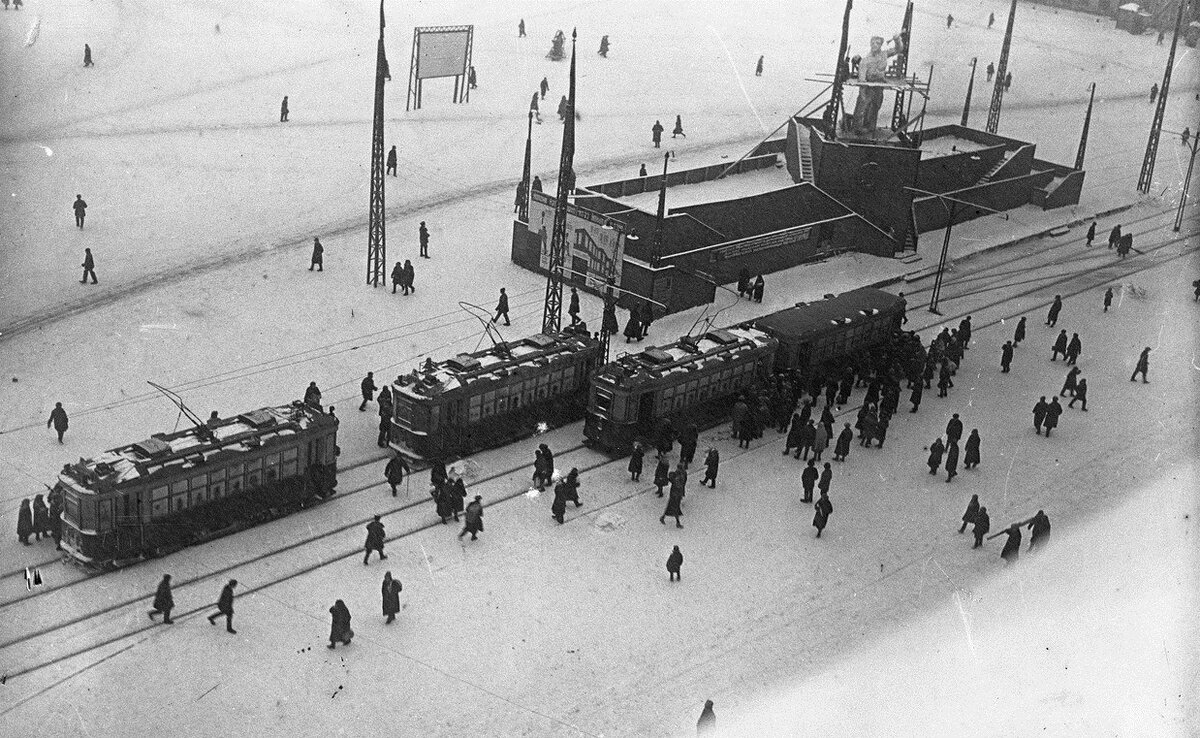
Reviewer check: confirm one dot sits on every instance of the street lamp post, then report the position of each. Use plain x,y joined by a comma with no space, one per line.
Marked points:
1187,182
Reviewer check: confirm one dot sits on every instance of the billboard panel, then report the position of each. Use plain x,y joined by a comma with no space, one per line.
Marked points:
595,244
441,53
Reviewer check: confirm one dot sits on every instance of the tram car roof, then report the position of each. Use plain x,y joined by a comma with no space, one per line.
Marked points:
685,355
829,314
530,354
164,454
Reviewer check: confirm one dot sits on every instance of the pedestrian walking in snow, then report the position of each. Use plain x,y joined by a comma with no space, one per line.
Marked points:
544,87
712,464
936,450
964,332
87,54
571,486
757,289
502,308
808,480
982,525
758,68
80,208
1055,309
807,437
662,474
949,20
391,162
820,441
374,542
1007,80
1091,233
1186,136
991,71
678,131
1108,298
688,440
1074,348
1012,545
472,82
915,397
1060,346
971,460
1080,395
991,19
1039,414
1114,236
842,448
1143,366
1161,36
423,235
24,522
339,626
603,47
1069,382
674,562
163,601
951,461
1153,92
707,724
633,328
390,593
474,517
408,276
954,429
645,317
394,472
283,110
944,381
521,29
1019,333
397,277
1039,525
558,508
41,519
674,505
368,391
656,134
971,513
225,606
318,259
58,418
1006,357
1053,410
636,459
89,265
573,308
826,479
822,510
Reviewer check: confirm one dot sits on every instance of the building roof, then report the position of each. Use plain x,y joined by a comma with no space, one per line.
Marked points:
815,317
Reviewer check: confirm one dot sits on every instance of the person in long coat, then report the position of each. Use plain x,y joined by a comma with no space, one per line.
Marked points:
820,442
678,130
1055,309
655,131
339,627
41,520
1060,346
842,448
1039,414
24,523
390,592
375,539
915,397
972,511
823,509
1019,333
1080,395
1012,546
881,430
936,449
743,283
394,472
674,506
982,524
571,486
443,504
312,395
792,440
1070,382
826,479
1040,527
971,460
758,288
633,329
1143,367
558,508
646,317
163,601
1006,357
58,418
662,474
636,460
954,429
474,524
1091,233
1074,349
225,606
687,444
397,276
458,495
674,563
951,460
808,436
808,480
56,523
712,464
1052,413
707,724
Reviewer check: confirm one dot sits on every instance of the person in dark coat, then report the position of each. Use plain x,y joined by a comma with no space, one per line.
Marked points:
964,332
674,562
808,480
678,127
423,240
820,442
339,626
474,524
41,520
225,606
24,523
368,390
1143,366
645,318
1060,346
80,208
163,601
743,283
573,308
443,500
1055,309
1040,527
971,460
1070,382
283,110
397,277
318,258
390,592
982,524
408,278
1074,349
56,524
1091,233
541,474
502,308
544,87
792,440
391,162
521,29
936,450
385,414
375,538
823,509
972,511
603,47
87,52
558,508
662,474
951,461
633,329
944,382
674,505
1019,333
808,436
712,464
394,472
58,418
1052,412
89,267
1080,395
636,459
842,448
571,487
687,444
1108,298
457,491
879,430
954,429
827,420
826,479
312,395
915,397
1154,88
757,289
1039,414
758,68
1012,546
707,724
656,134
1006,357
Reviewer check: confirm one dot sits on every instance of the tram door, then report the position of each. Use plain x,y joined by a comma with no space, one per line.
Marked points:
645,416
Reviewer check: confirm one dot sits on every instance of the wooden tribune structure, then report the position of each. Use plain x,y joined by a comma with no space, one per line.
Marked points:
440,51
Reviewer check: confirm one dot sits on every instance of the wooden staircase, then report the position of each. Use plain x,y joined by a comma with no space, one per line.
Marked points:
804,146
987,177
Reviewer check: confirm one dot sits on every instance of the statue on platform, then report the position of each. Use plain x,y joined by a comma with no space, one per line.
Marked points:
872,69
557,52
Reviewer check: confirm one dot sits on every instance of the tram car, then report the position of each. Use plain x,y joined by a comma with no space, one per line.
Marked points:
492,397
697,378
176,489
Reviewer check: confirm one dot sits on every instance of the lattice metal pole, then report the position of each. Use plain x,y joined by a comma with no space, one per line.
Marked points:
1147,174
970,88
376,240
1087,122
901,68
833,109
523,188
552,314
993,121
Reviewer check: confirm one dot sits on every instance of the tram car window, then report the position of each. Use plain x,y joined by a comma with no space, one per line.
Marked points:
175,489
488,398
